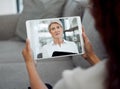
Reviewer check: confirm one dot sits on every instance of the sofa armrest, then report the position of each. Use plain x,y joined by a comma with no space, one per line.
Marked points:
8,26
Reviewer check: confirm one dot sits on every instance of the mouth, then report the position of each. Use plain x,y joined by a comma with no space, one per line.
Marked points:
57,34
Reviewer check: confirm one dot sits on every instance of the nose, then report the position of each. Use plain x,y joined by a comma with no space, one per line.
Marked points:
56,30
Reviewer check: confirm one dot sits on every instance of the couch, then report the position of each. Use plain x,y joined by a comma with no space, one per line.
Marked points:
13,74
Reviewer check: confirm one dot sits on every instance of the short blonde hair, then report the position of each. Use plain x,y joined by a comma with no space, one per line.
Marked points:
55,21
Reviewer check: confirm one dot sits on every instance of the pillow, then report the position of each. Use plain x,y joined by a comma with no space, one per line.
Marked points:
93,35
75,8
37,9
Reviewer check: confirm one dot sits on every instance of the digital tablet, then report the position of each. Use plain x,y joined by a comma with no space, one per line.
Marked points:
55,37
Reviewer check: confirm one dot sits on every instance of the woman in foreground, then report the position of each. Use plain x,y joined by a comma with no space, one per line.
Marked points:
103,75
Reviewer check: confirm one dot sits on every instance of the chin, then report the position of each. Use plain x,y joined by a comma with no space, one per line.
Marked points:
57,37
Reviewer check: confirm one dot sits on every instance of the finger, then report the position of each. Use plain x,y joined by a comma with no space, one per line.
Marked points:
84,34
23,51
83,29
84,56
28,45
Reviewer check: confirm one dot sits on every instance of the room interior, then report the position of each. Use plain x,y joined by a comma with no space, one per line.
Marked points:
13,73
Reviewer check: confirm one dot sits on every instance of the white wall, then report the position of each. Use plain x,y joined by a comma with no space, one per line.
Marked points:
8,7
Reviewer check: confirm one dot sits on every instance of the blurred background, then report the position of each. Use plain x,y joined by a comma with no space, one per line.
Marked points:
10,6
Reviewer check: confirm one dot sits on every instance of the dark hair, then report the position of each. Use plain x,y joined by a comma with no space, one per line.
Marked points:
107,21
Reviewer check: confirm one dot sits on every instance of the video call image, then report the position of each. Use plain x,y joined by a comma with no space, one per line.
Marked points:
55,37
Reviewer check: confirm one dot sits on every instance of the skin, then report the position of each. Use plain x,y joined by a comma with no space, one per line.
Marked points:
56,32
35,79
89,55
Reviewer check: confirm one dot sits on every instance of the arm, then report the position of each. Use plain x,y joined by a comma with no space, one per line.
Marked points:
89,55
35,80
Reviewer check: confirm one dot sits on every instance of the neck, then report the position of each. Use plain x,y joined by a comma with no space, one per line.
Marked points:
58,41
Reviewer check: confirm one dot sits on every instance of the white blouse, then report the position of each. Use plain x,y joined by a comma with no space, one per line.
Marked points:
67,46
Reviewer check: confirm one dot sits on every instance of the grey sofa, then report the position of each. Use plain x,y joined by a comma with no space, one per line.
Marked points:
13,74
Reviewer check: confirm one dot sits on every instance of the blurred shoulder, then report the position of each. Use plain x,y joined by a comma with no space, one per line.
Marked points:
91,78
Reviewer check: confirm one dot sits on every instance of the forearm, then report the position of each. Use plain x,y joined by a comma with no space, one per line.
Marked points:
93,59
35,80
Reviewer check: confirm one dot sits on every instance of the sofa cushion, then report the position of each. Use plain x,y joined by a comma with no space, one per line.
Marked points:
75,8
8,26
78,60
37,9
10,51
51,69
13,76
93,35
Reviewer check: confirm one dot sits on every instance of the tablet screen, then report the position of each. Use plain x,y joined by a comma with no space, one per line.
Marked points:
54,37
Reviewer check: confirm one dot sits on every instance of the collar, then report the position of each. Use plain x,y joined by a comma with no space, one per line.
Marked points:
64,41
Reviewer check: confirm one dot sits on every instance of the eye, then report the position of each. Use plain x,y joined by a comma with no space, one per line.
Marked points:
53,29
58,27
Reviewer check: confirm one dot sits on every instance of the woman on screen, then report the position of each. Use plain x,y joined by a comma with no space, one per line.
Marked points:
58,44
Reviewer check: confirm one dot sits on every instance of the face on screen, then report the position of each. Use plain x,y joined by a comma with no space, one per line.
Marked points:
56,30
55,37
